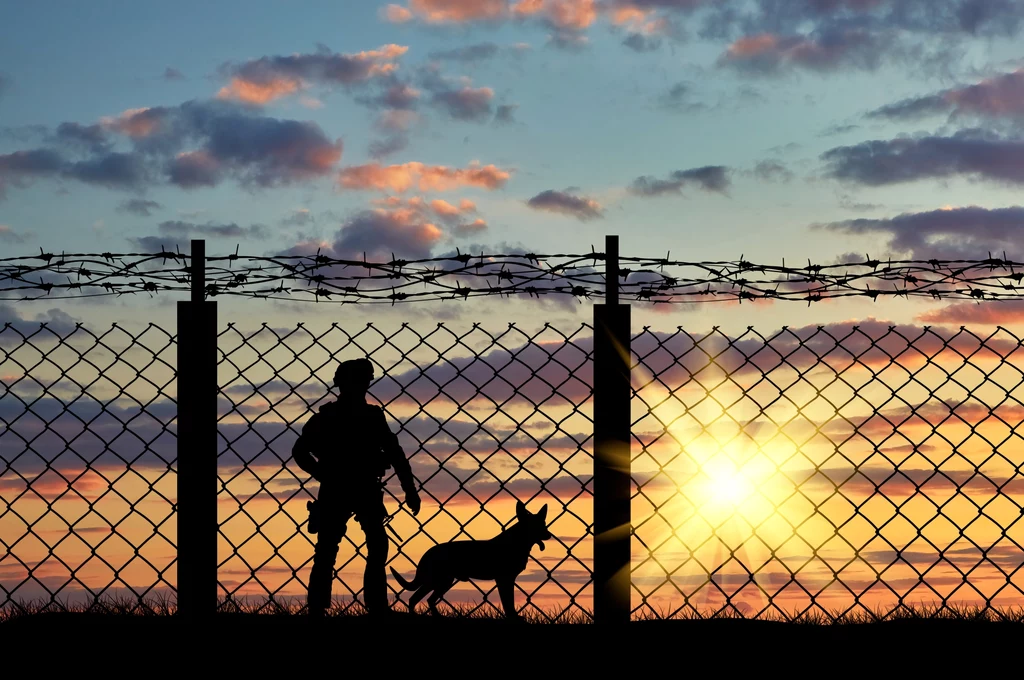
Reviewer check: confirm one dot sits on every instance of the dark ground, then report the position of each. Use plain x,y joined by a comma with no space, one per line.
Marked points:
419,647
296,631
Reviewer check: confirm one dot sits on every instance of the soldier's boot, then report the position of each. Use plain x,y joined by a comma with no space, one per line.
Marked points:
321,576
375,583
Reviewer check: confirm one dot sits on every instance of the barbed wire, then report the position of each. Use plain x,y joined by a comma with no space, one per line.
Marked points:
321,278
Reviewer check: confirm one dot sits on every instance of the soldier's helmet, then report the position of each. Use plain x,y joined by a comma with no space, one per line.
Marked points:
354,372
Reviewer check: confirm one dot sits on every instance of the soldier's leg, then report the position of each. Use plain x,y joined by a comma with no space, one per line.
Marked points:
375,582
321,576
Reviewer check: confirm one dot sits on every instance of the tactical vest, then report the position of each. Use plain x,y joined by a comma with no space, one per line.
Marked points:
347,443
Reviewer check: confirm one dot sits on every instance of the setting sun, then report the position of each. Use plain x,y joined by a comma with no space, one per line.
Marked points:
729,489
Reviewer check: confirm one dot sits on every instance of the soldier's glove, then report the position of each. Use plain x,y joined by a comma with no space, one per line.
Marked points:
412,499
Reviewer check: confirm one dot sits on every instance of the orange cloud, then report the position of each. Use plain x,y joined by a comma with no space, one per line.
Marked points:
320,159
452,213
134,123
447,212
569,19
525,8
753,45
572,14
263,80
456,11
258,93
192,169
628,14
388,52
471,228
564,14
639,20
985,313
397,14
403,226
400,178
442,207
397,227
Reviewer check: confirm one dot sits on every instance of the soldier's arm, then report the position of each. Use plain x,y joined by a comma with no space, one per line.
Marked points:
301,452
396,456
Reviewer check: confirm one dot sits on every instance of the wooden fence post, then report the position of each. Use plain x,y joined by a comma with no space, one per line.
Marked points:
197,446
612,530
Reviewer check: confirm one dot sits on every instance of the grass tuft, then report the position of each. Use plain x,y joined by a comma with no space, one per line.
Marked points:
262,609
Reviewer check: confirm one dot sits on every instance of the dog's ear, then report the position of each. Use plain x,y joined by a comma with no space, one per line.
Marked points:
543,514
521,511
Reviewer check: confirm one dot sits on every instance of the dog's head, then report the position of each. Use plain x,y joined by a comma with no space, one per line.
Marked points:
536,525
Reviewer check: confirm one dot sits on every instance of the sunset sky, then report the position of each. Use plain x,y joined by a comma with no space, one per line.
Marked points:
796,129
708,129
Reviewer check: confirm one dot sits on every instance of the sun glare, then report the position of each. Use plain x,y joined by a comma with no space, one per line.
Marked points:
729,489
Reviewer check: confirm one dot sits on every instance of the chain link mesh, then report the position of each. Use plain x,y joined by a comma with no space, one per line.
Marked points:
826,470
829,470
485,417
88,449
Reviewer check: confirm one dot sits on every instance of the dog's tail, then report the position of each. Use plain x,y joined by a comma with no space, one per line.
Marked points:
408,585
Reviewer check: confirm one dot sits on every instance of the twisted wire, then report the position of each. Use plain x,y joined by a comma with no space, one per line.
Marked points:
460,276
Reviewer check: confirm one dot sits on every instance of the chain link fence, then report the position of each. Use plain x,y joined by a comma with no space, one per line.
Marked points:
88,449
822,469
827,470
487,417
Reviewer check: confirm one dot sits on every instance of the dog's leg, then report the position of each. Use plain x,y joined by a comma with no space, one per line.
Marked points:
419,595
507,592
439,592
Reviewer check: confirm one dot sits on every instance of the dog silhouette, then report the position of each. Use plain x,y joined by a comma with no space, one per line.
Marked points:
500,559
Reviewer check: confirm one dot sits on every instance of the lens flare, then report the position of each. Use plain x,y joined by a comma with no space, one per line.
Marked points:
730,489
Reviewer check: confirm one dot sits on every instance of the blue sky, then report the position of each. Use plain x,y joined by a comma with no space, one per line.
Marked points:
554,99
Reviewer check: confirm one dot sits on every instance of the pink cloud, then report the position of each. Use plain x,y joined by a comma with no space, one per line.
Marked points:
266,79
771,52
466,103
628,14
444,208
526,8
575,15
562,15
999,96
135,123
397,14
640,20
401,178
455,11
470,228
975,313
753,45
397,120
259,93
405,227
195,168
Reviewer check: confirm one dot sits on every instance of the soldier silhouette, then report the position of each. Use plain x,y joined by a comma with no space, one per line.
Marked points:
348,447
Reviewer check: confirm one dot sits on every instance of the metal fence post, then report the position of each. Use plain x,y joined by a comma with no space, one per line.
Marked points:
197,446
611,448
